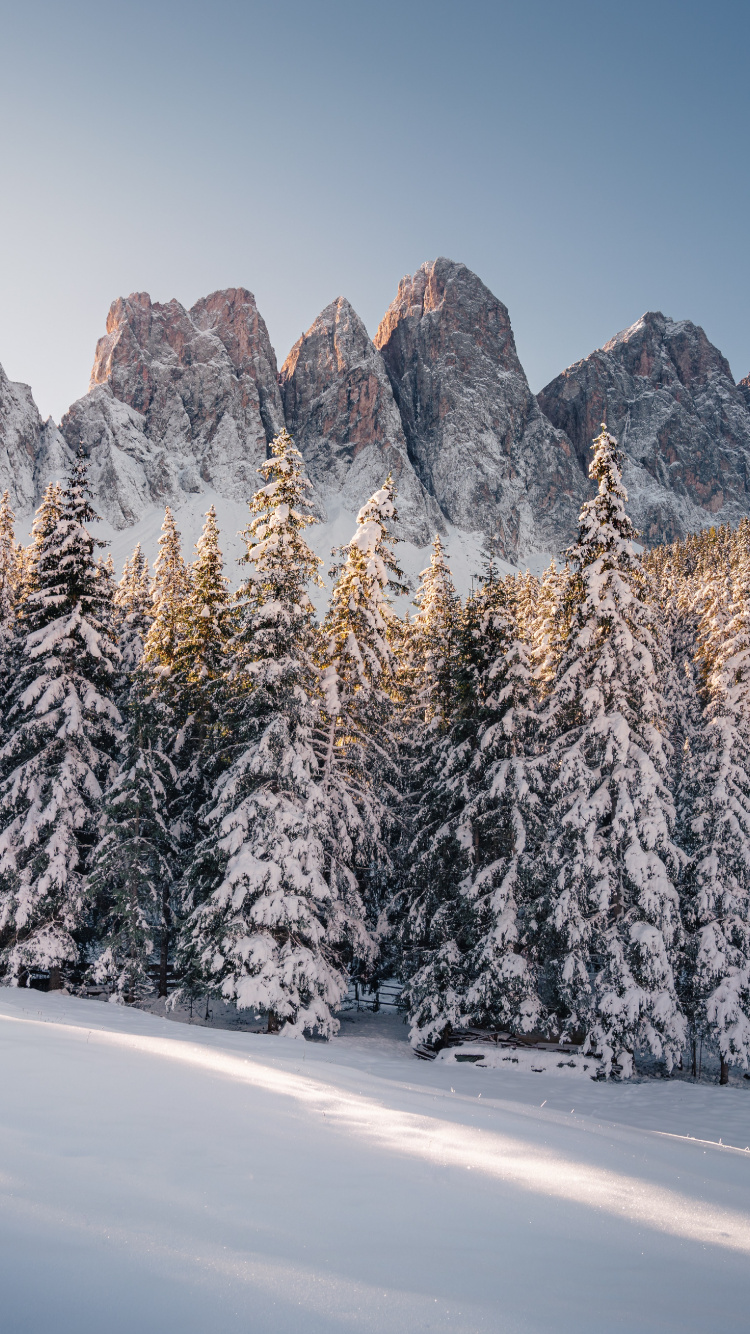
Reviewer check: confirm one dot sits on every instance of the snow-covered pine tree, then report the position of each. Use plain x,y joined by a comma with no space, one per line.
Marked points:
476,826
505,817
198,679
202,653
267,926
10,588
170,596
35,559
134,606
608,907
134,864
170,601
357,738
432,643
716,797
432,920
548,630
62,730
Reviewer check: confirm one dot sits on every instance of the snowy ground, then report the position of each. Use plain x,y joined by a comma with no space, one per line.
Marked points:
160,1176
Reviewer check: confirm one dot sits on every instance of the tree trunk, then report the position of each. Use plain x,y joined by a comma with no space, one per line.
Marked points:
273,1022
164,951
694,1058
55,979
724,1075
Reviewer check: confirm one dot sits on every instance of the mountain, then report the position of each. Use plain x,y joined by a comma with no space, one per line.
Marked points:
180,402
340,409
474,432
30,450
668,396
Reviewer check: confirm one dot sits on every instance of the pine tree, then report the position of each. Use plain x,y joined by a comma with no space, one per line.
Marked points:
716,791
549,630
62,729
202,653
37,571
608,906
465,939
268,924
134,864
357,741
197,682
10,590
505,816
170,596
432,643
134,604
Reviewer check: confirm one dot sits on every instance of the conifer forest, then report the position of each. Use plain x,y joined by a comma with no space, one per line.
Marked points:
531,808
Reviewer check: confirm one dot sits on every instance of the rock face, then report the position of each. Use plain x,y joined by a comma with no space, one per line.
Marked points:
744,388
339,406
474,432
668,396
30,449
179,401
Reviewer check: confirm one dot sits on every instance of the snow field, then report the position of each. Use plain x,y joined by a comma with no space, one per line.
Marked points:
160,1175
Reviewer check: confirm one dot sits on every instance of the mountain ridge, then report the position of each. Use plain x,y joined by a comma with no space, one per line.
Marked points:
183,402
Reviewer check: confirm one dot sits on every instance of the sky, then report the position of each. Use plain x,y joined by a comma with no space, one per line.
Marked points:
589,160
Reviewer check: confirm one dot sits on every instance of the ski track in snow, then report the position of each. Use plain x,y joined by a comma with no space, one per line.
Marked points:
199,1179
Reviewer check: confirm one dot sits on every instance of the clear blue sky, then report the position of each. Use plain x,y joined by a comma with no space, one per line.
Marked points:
589,160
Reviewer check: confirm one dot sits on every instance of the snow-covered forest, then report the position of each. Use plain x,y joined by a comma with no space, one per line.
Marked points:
531,807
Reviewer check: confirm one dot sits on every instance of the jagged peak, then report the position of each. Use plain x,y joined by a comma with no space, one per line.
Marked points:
342,330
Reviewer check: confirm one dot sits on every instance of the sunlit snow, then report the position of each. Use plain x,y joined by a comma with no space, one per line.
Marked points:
160,1176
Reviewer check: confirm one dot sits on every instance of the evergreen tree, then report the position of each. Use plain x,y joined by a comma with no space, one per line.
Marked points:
62,729
549,630
133,867
202,651
268,923
37,571
608,906
170,597
431,919
134,605
467,951
197,682
357,741
716,791
505,816
10,589
432,642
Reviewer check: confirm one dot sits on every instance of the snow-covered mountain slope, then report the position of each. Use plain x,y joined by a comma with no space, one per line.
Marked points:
668,396
465,550
189,1180
475,434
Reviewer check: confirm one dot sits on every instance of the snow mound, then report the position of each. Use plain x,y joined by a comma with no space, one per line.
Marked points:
523,1060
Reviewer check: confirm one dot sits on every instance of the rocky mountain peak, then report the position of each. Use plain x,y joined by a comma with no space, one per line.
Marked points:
665,351
667,394
150,351
443,298
339,406
475,435
180,401
744,388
